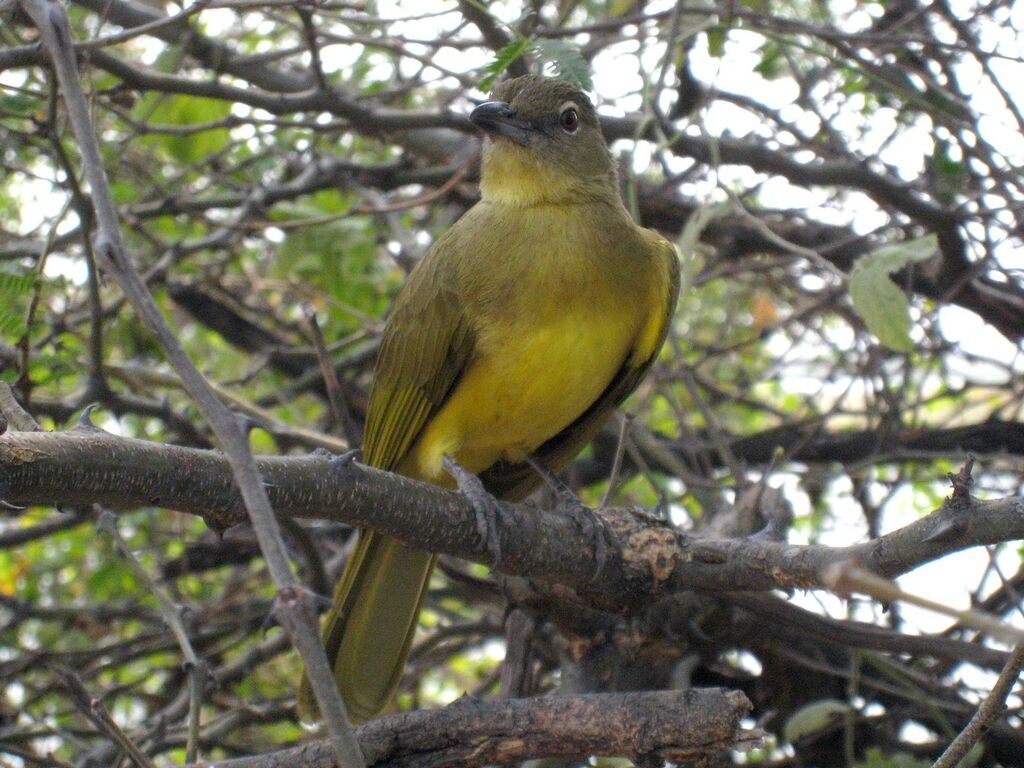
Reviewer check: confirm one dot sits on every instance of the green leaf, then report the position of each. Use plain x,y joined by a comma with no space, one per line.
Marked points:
511,52
948,175
772,61
562,58
183,110
565,60
813,718
878,301
14,291
19,104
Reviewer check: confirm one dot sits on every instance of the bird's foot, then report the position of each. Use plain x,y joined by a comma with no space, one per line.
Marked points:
585,517
485,507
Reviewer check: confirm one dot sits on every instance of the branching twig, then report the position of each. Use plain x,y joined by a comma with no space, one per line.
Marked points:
94,709
845,578
194,665
335,395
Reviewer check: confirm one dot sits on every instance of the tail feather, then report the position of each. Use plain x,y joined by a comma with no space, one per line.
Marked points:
369,633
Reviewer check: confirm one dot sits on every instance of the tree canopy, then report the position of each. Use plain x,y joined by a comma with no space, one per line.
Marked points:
840,393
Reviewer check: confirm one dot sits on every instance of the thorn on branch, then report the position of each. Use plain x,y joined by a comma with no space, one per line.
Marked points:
106,254
246,422
340,461
962,482
85,420
950,529
958,506
292,600
107,522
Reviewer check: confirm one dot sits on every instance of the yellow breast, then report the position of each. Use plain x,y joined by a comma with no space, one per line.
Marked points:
551,333
525,391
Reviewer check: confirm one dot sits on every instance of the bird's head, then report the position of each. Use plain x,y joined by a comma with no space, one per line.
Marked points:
545,144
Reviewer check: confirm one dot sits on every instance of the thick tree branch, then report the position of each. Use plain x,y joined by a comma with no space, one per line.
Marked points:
680,726
87,465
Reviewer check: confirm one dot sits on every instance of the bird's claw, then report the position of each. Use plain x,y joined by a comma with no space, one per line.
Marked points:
485,507
584,516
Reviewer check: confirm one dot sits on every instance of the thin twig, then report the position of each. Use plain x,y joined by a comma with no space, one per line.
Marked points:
620,450
194,665
715,431
844,578
96,712
335,395
988,712
375,208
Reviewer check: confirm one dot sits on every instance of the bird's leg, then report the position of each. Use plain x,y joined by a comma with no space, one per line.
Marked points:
584,516
485,506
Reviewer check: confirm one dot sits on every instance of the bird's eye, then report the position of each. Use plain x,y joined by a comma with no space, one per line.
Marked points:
569,120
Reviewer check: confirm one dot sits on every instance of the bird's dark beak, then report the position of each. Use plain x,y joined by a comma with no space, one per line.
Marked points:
498,118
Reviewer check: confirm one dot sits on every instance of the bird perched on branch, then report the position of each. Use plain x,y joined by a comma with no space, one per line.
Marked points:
518,334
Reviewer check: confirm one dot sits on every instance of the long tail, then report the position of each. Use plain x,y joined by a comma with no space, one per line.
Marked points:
368,635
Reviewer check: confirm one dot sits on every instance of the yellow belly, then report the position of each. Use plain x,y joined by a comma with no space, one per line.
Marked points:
525,385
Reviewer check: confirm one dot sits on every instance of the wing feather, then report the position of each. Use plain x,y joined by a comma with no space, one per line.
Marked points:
427,344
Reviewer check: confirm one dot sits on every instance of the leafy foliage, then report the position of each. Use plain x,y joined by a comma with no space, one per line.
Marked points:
882,305
556,57
15,288
564,60
503,59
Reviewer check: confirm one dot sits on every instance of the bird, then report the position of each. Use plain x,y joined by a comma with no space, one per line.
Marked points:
511,342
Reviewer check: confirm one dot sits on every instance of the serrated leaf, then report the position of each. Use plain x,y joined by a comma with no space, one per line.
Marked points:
14,290
502,60
813,718
13,284
12,327
877,299
565,60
